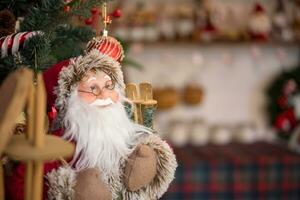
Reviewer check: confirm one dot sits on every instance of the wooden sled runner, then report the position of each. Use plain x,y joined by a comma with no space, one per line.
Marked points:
18,93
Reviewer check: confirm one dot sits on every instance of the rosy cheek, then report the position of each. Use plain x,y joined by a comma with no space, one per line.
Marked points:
115,96
86,97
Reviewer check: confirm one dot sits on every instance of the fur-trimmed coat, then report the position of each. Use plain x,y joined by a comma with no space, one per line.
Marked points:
62,180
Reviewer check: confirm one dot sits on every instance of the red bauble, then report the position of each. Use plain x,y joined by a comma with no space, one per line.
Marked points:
52,114
290,113
286,121
67,8
107,45
282,123
117,13
88,21
94,10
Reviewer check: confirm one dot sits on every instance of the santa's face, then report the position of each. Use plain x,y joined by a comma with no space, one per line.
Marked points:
97,88
96,119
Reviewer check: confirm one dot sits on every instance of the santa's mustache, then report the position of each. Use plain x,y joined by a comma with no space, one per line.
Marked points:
102,102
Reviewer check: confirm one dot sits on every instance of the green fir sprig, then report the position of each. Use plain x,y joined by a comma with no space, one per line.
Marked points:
57,39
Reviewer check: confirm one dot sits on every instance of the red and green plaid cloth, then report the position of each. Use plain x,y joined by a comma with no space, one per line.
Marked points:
256,171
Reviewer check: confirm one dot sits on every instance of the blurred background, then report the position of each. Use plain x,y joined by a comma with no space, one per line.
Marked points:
215,64
226,77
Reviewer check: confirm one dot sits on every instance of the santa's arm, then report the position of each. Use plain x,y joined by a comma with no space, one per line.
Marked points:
165,164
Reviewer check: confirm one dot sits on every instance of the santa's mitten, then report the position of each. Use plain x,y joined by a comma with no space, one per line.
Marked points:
89,186
140,168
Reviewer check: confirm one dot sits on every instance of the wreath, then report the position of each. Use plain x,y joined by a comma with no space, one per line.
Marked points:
283,105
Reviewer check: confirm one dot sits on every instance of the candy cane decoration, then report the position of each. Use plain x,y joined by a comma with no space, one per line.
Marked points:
11,44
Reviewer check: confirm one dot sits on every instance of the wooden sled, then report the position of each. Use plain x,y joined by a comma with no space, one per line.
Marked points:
18,93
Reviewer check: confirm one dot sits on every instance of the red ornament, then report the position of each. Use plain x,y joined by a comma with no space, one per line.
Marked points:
117,13
52,114
286,121
88,21
67,8
282,123
107,45
290,113
94,10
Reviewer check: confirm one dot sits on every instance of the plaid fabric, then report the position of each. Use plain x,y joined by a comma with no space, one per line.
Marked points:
256,171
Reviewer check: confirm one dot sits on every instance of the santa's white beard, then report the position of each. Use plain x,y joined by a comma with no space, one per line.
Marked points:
103,135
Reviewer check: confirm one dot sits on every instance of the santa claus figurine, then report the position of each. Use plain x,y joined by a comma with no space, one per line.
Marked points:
114,157
260,25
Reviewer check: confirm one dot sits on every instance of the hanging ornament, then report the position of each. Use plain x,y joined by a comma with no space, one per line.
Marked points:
88,21
13,43
67,9
106,44
117,13
95,18
52,114
94,10
67,5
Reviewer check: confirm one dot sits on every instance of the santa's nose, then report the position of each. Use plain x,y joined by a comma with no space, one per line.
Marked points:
103,95
112,94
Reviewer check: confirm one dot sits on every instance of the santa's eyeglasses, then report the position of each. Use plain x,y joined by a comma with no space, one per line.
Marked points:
96,90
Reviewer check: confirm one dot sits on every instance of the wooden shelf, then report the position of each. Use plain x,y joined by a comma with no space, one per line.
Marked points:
219,43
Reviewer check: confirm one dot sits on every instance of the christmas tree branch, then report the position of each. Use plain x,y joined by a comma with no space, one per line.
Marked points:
83,8
59,40
44,16
69,41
